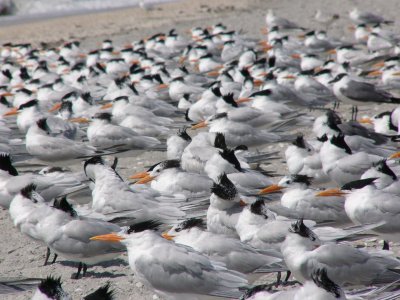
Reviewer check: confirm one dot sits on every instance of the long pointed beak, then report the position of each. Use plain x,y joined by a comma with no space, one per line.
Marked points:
296,56
199,125
375,73
331,193
332,51
107,105
168,237
7,94
79,120
139,175
111,237
270,189
55,107
214,73
11,112
396,74
258,82
395,155
145,179
243,100
366,121
379,64
289,77
162,86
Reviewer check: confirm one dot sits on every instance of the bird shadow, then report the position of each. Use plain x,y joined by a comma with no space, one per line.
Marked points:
105,264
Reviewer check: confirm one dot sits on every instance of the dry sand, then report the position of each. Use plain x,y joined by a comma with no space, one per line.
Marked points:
19,256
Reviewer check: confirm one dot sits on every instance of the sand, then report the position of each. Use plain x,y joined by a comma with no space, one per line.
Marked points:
19,256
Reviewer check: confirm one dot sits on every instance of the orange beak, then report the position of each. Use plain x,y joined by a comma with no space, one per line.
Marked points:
199,125
366,121
332,51
107,105
213,73
168,237
111,237
243,100
55,107
6,94
162,86
116,53
258,82
270,189
296,56
82,55
11,112
289,77
331,193
145,179
139,175
79,120
395,155
379,64
242,203
396,74
375,73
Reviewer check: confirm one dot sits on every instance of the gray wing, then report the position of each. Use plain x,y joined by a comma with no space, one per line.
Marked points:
363,91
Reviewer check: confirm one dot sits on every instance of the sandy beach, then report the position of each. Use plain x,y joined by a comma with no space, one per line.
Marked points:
20,256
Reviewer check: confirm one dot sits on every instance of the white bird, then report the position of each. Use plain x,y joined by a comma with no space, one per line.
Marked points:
230,251
172,270
304,253
40,144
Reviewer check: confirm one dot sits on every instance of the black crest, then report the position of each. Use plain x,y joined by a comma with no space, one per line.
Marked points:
225,189
3,100
323,138
216,91
68,95
190,223
184,135
171,163
64,205
358,184
229,99
66,105
302,179
28,104
299,142
229,155
145,225
266,92
103,116
321,279
51,287
219,141
258,208
28,190
301,229
6,164
382,167
339,141
102,293
42,124
95,160
333,120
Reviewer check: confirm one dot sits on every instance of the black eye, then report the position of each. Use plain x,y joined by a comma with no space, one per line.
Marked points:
309,150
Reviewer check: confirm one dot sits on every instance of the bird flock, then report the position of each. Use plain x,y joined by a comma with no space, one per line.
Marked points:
220,212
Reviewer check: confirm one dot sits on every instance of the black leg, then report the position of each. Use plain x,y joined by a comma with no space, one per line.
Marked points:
288,273
385,245
47,256
278,279
77,273
54,258
84,270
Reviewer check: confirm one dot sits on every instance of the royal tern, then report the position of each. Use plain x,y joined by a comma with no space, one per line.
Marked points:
230,251
304,252
172,270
